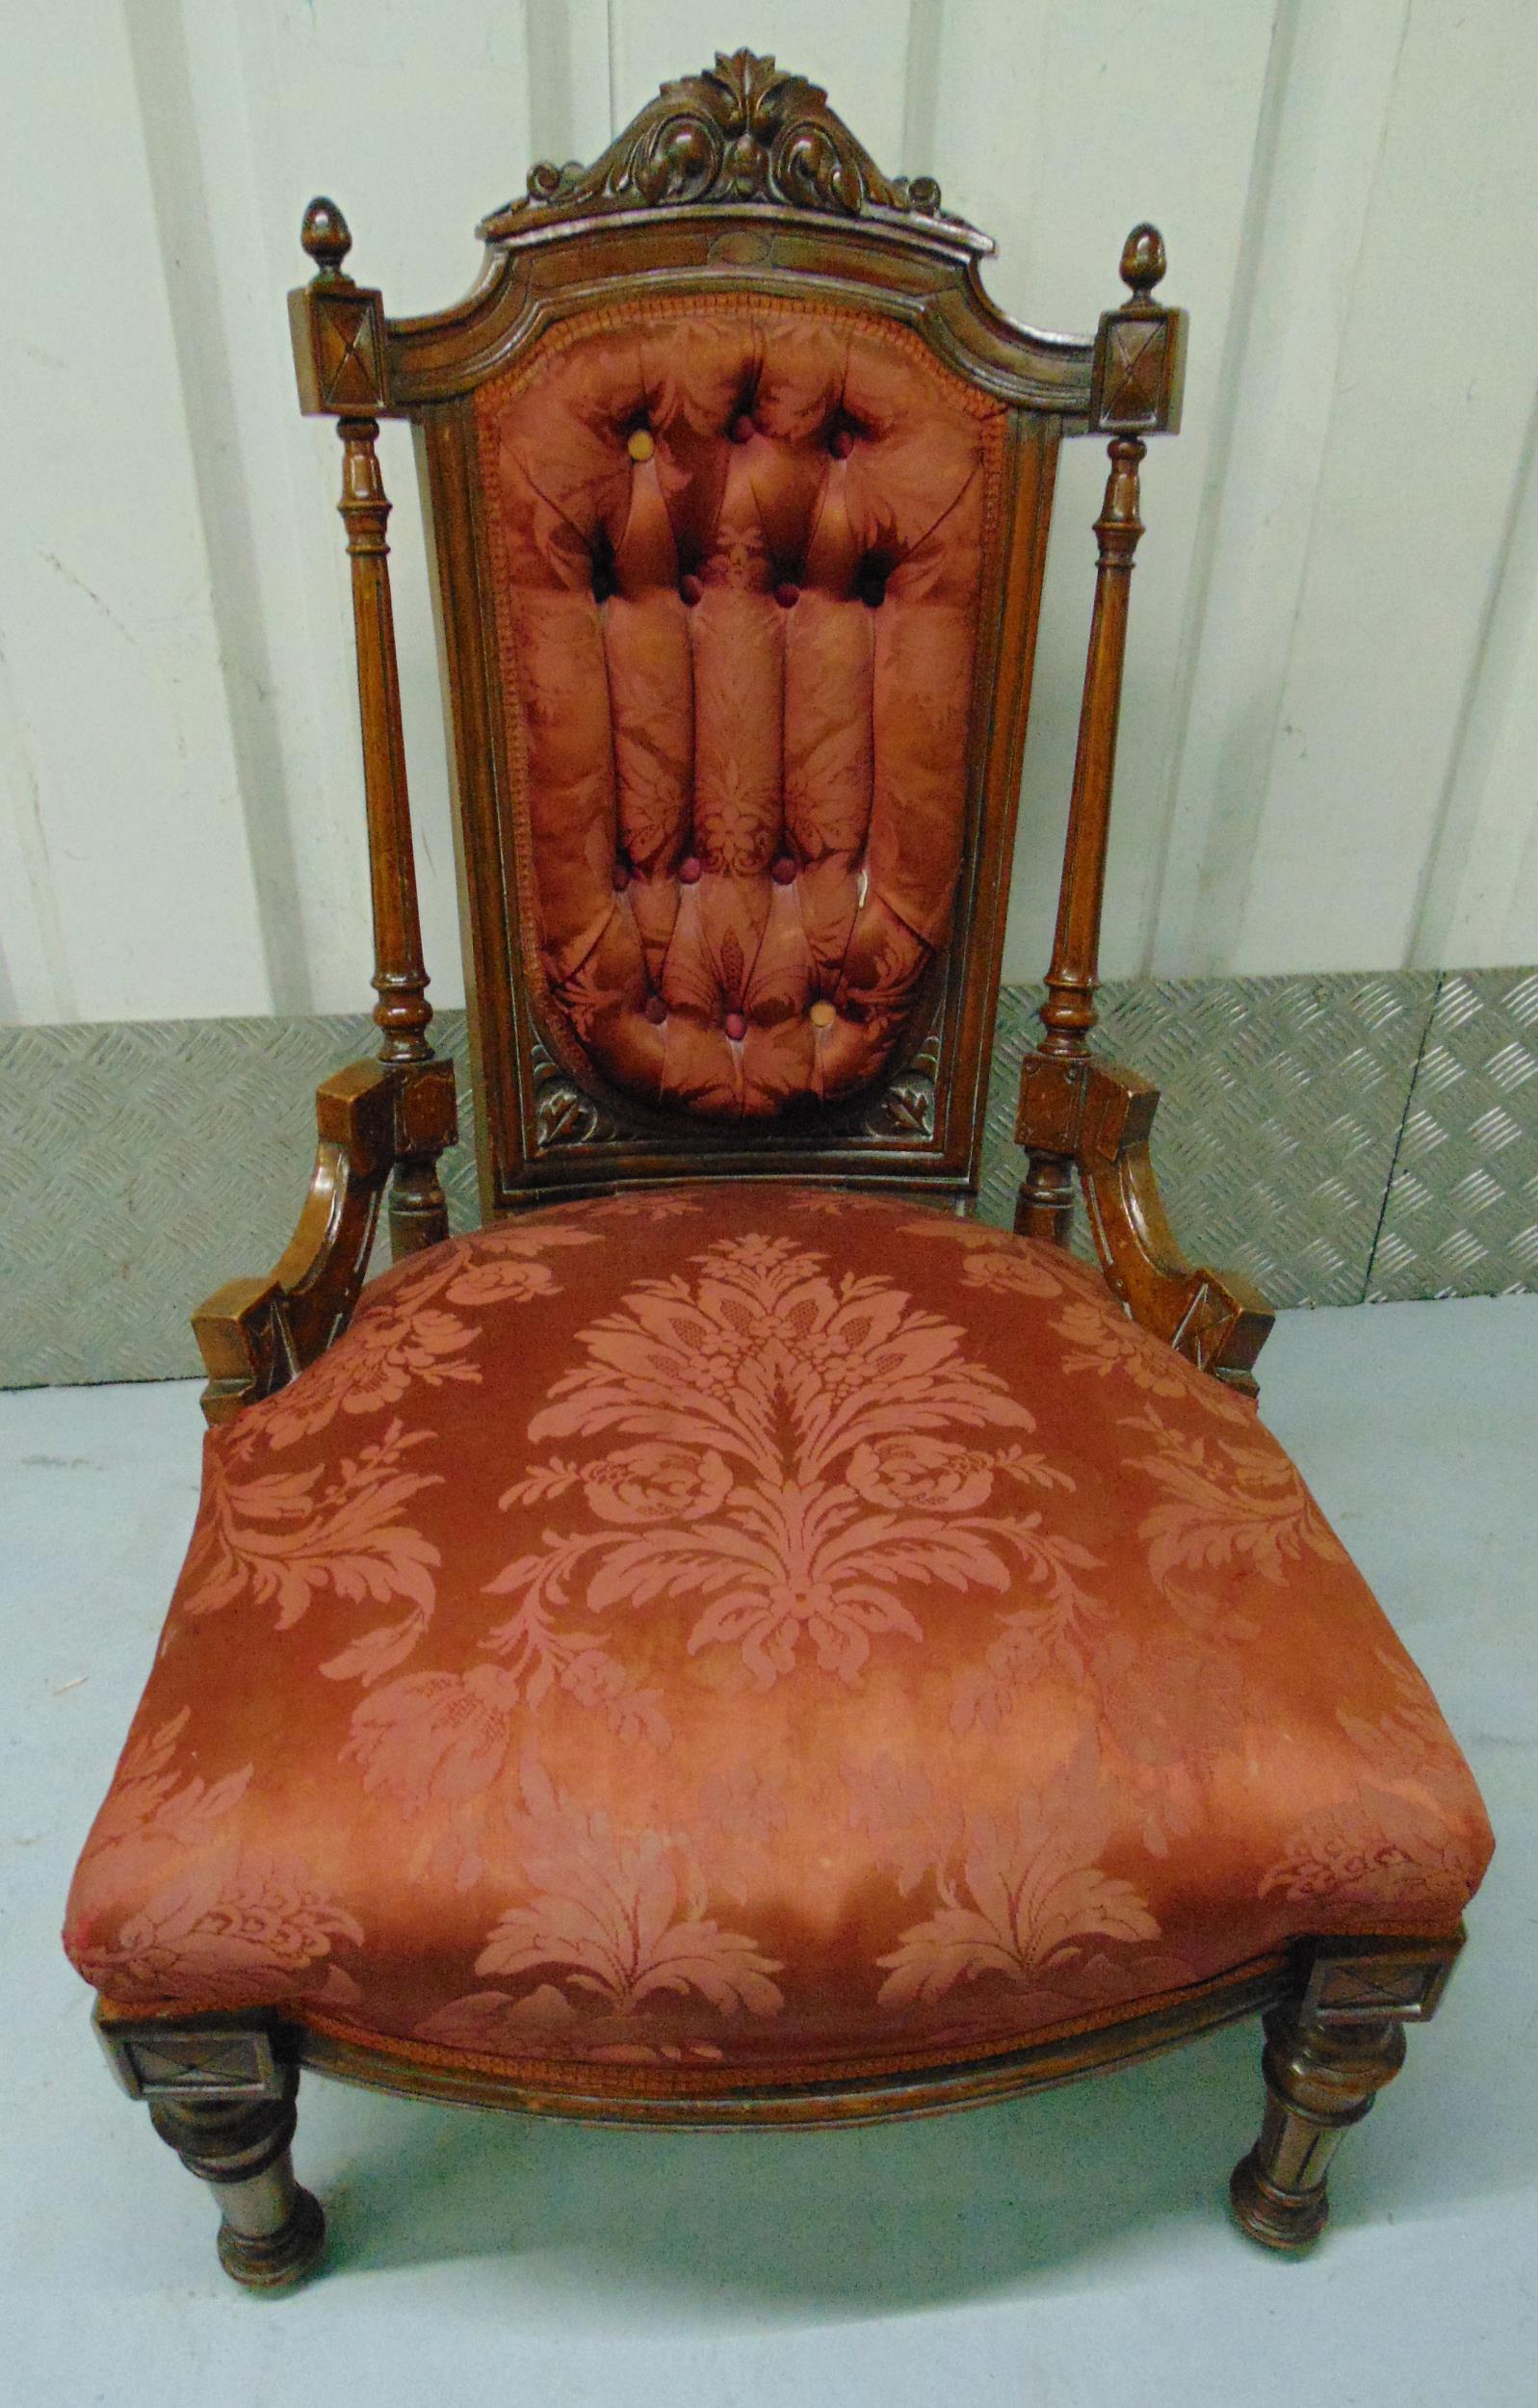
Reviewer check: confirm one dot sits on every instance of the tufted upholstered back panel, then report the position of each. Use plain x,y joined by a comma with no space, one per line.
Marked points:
737,544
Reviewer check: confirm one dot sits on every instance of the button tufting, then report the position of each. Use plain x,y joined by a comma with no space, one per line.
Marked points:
783,870
787,595
641,445
843,444
822,1014
736,1026
621,876
742,429
692,590
689,871
656,1010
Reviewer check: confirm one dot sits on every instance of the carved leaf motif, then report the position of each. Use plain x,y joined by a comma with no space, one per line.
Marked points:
740,131
563,1116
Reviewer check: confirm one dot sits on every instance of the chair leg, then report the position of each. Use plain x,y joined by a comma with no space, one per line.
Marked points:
1320,2078
270,2231
222,2096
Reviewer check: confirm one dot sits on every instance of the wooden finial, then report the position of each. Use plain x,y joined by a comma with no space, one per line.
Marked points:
1143,261
325,237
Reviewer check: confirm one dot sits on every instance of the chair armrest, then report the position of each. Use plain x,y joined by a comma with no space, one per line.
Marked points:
254,1335
1098,1116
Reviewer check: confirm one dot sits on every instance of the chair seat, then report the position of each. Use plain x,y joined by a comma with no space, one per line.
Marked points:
756,1633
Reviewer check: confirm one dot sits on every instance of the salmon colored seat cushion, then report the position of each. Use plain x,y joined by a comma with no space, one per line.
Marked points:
750,1633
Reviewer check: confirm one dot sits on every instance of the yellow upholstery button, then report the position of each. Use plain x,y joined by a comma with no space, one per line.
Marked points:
823,1015
640,445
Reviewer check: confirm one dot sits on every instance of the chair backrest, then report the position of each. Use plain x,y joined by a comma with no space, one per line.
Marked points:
740,488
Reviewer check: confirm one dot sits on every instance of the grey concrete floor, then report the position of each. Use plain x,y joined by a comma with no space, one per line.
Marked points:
1060,2251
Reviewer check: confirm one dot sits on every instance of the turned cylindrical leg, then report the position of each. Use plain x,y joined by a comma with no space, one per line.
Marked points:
1319,2080
1044,1207
270,2231
419,1210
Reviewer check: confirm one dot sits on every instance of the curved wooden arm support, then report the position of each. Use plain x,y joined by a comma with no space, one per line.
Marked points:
256,1334
1080,1112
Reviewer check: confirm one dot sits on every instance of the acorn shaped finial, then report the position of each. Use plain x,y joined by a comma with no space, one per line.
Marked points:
1142,260
324,235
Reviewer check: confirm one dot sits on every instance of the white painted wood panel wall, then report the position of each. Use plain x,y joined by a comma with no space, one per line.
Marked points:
1331,726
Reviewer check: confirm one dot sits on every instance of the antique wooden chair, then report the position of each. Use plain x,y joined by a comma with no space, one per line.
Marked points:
735,1644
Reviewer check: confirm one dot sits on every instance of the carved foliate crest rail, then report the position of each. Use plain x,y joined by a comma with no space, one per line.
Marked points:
740,131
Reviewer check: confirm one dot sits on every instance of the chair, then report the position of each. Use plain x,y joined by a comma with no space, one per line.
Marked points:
733,1642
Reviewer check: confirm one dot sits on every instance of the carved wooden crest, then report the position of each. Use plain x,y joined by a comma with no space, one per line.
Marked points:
740,131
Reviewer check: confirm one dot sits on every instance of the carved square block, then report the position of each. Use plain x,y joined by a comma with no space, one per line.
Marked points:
1403,1984
339,353
158,2062
1138,373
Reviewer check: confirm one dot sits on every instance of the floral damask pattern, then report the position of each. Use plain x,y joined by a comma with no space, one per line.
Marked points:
234,1921
1023,1904
735,1634
786,1471
617,1926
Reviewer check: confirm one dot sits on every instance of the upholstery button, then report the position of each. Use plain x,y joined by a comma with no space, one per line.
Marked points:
689,871
736,1026
843,444
656,1010
822,1014
621,876
787,595
641,445
742,429
782,870
691,589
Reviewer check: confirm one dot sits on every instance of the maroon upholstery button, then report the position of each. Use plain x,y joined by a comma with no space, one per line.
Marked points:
742,430
691,589
787,595
843,444
688,872
736,1026
621,876
656,1010
783,870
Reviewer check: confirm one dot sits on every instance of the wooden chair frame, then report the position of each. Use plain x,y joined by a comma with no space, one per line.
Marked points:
741,180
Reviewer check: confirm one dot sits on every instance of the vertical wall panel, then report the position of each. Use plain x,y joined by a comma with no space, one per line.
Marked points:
1433,395
121,769
1128,113
1333,80
1330,722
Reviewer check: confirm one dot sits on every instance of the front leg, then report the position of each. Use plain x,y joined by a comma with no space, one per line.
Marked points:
220,2096
1327,2056
1318,2082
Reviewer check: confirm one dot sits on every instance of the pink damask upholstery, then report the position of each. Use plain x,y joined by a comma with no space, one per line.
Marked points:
737,547
754,1633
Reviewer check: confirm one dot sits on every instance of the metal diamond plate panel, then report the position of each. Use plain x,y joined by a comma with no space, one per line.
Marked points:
1281,1110
143,1163
1462,1215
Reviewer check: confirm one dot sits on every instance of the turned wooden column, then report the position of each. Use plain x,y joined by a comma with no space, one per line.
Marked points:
1136,391
419,1213
1068,1013
341,350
